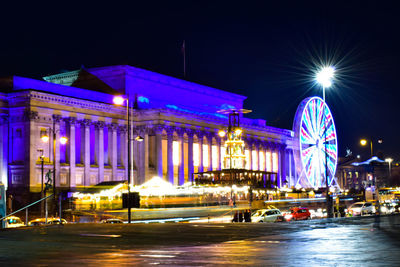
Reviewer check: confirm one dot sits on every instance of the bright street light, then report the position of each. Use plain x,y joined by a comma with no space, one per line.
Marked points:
389,160
324,77
363,142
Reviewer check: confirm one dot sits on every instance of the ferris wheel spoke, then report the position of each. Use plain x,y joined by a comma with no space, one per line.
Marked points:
317,141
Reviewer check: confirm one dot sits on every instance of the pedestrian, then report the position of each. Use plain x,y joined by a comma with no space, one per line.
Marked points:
235,217
240,216
247,216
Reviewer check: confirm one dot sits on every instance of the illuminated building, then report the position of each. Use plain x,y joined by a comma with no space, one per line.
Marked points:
177,119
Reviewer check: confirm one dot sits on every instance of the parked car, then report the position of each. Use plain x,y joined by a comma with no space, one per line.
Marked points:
361,208
42,221
112,220
267,215
388,208
13,222
298,213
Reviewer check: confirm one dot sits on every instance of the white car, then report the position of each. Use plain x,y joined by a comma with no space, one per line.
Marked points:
361,208
267,215
13,222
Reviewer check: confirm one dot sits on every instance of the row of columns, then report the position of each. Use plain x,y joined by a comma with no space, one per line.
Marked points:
142,159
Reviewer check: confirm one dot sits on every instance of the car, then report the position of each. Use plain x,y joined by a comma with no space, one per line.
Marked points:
388,208
267,215
112,220
361,208
42,221
297,213
13,222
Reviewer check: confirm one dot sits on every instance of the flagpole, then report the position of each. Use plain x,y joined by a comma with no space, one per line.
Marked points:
184,59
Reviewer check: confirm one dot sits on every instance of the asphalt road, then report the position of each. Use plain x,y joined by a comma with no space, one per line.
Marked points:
337,242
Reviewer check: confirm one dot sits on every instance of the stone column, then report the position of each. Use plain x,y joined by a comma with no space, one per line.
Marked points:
219,154
71,145
112,150
264,147
99,148
210,157
85,149
282,164
250,144
257,144
190,135
170,163
181,167
159,159
56,125
4,148
145,154
31,139
200,136
124,148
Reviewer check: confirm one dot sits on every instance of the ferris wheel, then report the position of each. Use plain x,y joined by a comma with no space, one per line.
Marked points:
316,143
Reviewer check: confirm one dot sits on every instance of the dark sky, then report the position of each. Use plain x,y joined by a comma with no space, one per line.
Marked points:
266,50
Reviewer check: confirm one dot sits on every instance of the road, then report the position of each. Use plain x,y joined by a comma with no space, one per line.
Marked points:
326,242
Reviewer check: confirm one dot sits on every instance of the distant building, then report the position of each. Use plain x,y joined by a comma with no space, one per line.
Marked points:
177,119
355,174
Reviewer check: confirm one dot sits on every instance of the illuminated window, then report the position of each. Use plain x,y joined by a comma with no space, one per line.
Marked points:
261,158
196,155
275,162
214,156
268,160
247,154
205,155
175,153
255,159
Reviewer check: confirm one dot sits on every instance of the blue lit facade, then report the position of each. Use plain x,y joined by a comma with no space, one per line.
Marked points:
178,120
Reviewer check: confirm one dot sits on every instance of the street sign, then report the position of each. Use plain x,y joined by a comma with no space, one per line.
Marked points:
2,203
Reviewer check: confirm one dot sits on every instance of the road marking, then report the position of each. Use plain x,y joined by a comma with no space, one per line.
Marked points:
97,235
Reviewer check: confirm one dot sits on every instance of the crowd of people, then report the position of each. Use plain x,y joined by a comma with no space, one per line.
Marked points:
242,216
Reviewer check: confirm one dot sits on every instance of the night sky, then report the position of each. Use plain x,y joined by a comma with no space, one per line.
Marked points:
266,50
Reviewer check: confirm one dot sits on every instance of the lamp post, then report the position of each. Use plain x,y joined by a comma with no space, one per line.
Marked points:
42,173
389,160
364,142
324,78
118,100
63,141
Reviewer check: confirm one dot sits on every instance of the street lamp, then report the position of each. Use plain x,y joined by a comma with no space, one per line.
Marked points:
324,78
364,142
119,100
41,191
63,140
389,160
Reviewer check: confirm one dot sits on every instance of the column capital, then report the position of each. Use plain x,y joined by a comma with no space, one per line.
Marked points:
70,120
85,122
158,129
189,132
99,124
170,130
200,133
30,115
112,126
56,118
122,128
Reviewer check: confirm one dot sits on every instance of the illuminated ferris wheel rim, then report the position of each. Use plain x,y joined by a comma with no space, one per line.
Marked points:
310,131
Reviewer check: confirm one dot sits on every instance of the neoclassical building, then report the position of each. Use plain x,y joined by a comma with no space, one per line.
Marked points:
177,119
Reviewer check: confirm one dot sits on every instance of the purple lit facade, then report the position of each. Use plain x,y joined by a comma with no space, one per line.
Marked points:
177,119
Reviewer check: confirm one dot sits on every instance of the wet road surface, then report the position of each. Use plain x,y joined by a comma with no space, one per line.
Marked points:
338,242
